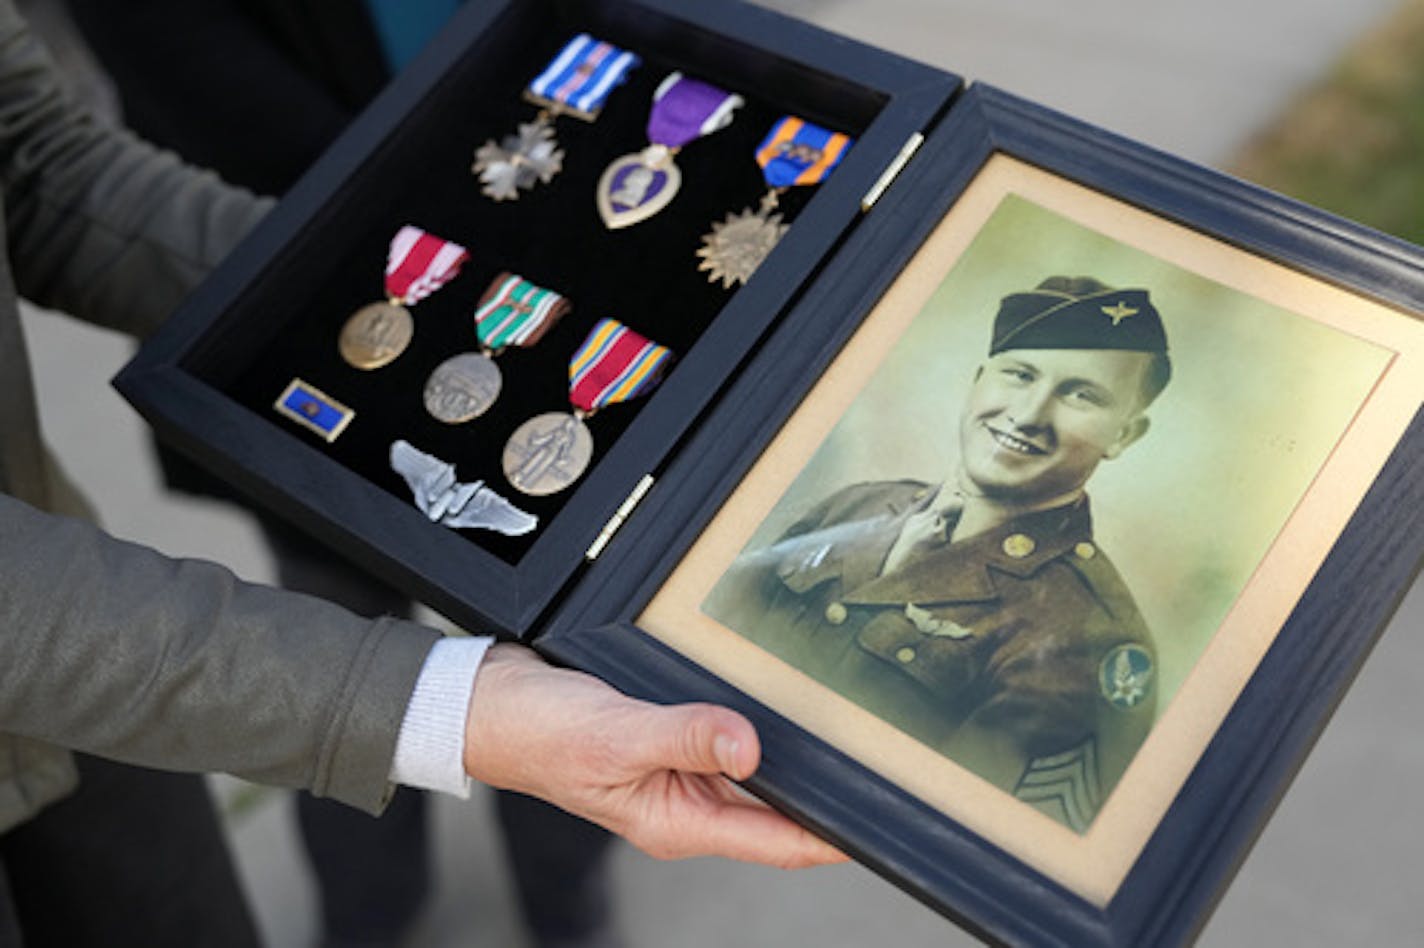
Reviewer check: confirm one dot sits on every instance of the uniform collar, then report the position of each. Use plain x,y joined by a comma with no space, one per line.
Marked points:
851,552
964,571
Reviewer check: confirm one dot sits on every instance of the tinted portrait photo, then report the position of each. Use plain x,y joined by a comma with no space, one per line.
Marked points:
1019,537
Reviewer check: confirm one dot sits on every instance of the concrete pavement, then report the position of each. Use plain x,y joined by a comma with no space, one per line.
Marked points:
1340,861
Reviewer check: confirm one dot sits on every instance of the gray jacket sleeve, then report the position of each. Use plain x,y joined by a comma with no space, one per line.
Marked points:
113,649
101,225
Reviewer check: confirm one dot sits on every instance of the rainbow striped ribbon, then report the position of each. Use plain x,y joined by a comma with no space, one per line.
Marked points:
797,152
515,312
613,365
418,264
583,75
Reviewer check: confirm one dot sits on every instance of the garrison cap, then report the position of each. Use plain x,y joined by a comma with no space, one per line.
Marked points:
1078,313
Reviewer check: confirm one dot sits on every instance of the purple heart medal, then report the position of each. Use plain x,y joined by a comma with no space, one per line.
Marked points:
576,82
637,186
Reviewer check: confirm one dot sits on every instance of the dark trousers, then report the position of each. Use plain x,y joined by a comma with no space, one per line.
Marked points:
133,857
374,874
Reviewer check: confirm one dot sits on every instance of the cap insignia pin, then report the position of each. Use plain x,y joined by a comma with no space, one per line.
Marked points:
1119,311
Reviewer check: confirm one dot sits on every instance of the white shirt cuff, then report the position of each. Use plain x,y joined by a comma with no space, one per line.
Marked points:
430,750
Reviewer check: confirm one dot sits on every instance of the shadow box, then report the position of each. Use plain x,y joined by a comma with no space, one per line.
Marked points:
1029,495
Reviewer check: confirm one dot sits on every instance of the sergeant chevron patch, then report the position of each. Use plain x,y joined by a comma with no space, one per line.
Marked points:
1069,779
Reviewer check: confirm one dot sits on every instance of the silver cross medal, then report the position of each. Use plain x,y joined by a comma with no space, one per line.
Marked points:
519,161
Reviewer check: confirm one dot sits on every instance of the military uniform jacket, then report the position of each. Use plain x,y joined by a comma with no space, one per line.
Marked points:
1018,653
109,647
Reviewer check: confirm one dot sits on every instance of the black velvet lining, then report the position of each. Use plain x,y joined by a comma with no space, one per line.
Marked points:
646,275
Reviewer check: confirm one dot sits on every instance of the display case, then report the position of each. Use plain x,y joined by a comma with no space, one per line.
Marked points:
1063,725
275,313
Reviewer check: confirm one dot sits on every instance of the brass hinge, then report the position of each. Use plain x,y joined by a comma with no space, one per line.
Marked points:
625,510
892,171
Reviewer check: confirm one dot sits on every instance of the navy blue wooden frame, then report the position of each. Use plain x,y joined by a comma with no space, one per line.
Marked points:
1173,886
389,537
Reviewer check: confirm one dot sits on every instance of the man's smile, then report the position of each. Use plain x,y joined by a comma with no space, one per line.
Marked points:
1013,442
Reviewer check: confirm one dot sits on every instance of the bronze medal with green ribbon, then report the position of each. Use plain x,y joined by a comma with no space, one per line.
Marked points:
512,312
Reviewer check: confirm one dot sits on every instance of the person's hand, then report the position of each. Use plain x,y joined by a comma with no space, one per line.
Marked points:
651,774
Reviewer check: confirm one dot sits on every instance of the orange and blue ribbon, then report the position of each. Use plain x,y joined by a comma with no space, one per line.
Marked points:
796,152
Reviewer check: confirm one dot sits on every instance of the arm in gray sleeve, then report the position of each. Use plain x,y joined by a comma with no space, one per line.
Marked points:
116,650
99,224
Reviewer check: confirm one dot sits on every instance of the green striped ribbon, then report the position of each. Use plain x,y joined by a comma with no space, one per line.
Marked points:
515,312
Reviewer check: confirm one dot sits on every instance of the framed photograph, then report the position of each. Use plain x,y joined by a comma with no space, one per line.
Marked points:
1050,536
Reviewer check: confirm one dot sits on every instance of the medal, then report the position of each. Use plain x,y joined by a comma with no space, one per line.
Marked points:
576,82
513,312
614,364
445,500
417,265
794,152
637,186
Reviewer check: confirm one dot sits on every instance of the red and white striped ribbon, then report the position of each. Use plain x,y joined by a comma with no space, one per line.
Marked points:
418,264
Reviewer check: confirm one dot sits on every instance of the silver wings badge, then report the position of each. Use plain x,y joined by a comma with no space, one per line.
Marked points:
447,501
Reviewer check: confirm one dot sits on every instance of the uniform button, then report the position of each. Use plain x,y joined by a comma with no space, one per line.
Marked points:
1085,551
836,613
906,655
1019,545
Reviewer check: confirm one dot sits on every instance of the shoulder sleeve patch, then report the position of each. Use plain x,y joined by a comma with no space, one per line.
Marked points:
1126,676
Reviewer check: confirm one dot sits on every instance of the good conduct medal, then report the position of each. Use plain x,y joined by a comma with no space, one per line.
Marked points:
513,312
417,265
795,152
614,364
637,186
576,83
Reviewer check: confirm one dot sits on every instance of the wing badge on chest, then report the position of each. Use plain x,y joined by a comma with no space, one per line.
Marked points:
929,624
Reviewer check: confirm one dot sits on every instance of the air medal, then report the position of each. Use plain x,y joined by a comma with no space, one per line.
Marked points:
794,152
551,451
417,264
513,312
576,82
637,186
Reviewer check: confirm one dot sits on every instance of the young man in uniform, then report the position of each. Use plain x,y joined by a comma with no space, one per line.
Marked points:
979,615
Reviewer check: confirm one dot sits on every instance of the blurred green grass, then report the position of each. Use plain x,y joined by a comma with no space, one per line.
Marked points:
1354,144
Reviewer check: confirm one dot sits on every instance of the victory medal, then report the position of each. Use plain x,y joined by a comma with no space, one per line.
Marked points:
576,82
551,451
637,186
513,312
417,264
794,152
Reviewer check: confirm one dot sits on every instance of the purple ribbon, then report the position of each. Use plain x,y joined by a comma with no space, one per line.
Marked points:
686,109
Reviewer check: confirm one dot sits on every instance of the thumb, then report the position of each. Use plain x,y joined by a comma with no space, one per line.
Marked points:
696,738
